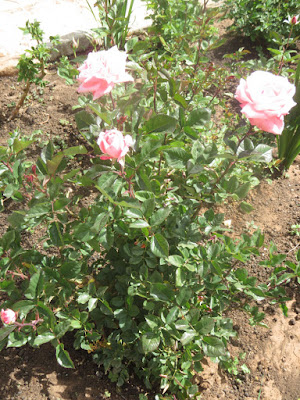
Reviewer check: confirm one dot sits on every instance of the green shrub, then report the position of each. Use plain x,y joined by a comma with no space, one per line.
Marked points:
257,19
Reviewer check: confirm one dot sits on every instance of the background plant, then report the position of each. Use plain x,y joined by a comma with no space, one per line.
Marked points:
289,141
259,19
33,62
114,18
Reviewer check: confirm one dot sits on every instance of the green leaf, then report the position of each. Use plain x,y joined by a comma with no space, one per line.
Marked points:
17,339
84,120
61,328
35,286
213,347
139,224
153,321
172,315
175,260
73,151
83,232
246,207
205,325
180,100
256,293
70,269
232,184
23,306
262,153
162,292
176,157
53,164
183,296
7,239
97,110
100,222
150,342
55,233
199,117
20,145
243,190
134,213
187,337
46,312
161,123
83,298
63,357
182,325
159,246
60,204
43,338
159,216
92,304
4,332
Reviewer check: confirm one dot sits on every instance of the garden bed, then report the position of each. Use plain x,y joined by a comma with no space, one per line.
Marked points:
272,355
267,358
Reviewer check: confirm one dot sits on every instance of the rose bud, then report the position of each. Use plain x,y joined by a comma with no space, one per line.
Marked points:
8,316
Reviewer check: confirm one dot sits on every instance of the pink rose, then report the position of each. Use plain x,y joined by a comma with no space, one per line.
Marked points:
114,145
8,316
265,100
102,70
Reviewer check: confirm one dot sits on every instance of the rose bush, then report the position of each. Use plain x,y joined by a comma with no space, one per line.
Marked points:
8,316
101,71
114,145
265,100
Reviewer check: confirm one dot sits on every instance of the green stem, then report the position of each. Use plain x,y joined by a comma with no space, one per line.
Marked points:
283,51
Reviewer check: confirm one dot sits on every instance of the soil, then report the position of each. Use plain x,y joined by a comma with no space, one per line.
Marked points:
272,355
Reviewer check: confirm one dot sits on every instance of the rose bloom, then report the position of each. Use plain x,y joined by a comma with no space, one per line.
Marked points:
265,100
8,316
101,71
114,145
292,20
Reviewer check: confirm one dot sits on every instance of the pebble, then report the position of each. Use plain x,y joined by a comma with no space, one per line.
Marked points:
292,322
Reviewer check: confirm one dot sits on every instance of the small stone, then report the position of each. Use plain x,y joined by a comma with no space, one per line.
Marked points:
292,322
30,110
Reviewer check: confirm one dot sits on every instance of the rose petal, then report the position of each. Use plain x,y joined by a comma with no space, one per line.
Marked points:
265,100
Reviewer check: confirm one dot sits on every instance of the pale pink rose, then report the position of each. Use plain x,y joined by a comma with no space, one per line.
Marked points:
114,145
265,100
8,316
102,70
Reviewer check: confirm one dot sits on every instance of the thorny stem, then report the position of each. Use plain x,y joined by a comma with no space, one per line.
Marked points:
283,51
112,101
161,156
32,323
26,91
154,94
8,166
20,274
21,101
